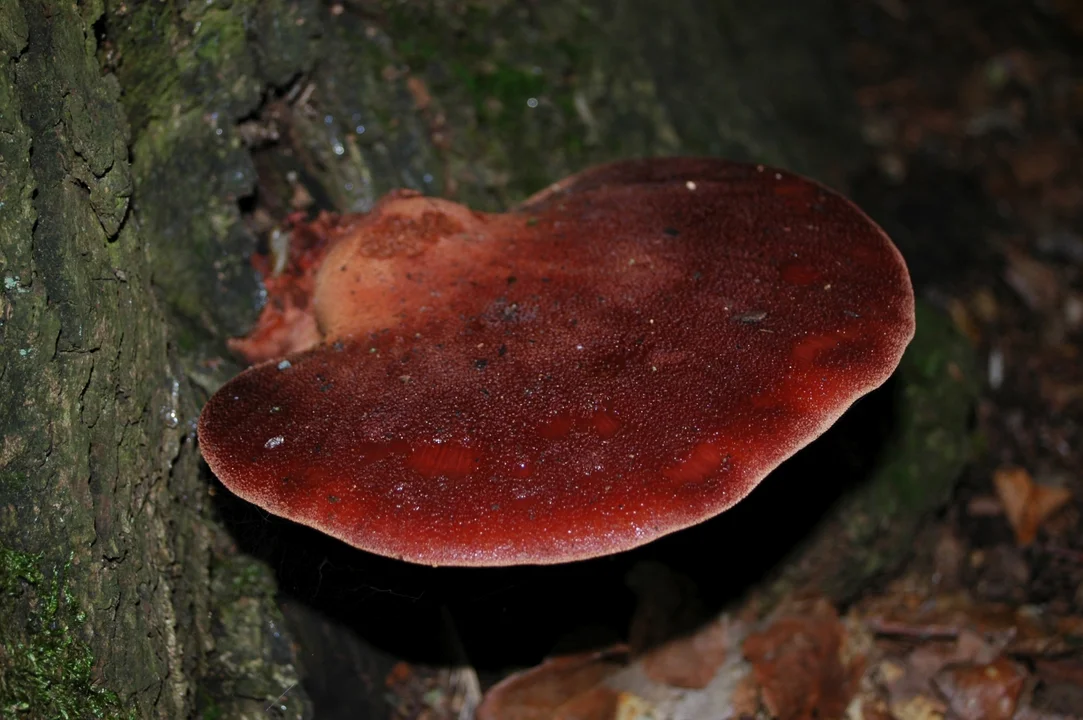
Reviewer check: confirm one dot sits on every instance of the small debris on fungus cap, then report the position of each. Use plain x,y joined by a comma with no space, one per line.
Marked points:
614,360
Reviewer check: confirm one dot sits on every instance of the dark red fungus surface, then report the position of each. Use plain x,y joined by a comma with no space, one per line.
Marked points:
627,353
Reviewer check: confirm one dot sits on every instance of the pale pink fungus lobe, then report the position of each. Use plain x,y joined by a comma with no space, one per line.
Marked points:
626,354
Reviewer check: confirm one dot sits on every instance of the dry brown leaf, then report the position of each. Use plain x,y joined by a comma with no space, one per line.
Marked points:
1036,283
553,689
598,703
797,663
982,692
629,707
400,673
912,677
963,320
419,91
689,662
1026,503
1038,162
919,707
1066,671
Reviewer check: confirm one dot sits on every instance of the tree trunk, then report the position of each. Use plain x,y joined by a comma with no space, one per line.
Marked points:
103,556
130,137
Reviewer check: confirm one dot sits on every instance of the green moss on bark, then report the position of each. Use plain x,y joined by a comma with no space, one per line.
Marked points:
191,71
48,672
515,83
488,102
533,92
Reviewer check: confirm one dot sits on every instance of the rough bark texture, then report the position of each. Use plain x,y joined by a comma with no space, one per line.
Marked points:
127,132
97,554
105,550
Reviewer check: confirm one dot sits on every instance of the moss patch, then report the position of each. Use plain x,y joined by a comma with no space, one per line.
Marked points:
507,79
48,672
190,73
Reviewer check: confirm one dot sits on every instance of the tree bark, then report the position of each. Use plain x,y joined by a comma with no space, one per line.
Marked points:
104,555
132,135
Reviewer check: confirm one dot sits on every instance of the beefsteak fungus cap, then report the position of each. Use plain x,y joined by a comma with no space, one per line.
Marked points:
627,353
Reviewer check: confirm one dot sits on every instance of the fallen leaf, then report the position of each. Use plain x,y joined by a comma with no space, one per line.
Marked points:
689,662
1038,162
560,687
1036,283
598,703
797,663
919,707
982,691
1061,685
419,92
399,674
911,677
963,320
629,707
1061,671
1026,503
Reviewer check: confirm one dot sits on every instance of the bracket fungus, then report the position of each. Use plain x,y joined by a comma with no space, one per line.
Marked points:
625,354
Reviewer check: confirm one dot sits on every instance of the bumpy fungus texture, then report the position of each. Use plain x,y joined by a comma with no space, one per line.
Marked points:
625,354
